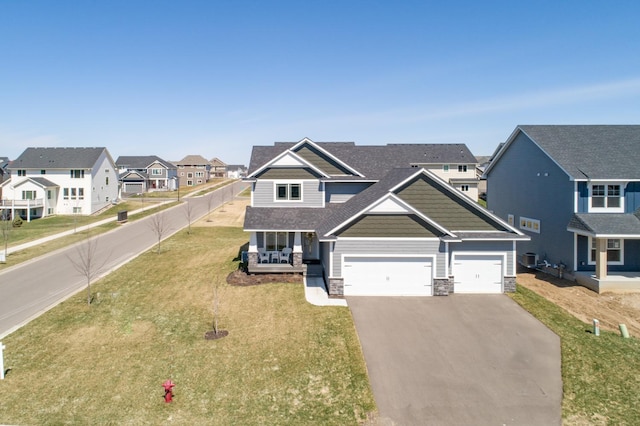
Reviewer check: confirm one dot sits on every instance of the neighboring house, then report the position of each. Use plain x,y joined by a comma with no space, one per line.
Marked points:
4,173
193,170
576,191
236,171
48,181
147,173
374,221
218,168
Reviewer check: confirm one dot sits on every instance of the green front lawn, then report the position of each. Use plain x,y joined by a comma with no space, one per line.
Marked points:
283,362
601,375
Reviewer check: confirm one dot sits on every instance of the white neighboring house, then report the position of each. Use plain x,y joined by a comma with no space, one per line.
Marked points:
63,181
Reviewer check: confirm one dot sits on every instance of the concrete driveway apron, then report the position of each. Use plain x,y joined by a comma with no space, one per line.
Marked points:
459,360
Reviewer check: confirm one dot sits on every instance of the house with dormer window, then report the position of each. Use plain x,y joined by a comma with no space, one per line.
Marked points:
64,181
376,220
575,190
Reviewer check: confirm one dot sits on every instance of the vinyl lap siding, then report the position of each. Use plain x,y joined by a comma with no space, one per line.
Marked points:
404,247
264,195
341,192
383,225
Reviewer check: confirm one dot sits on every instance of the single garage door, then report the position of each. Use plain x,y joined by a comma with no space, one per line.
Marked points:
477,273
387,276
133,188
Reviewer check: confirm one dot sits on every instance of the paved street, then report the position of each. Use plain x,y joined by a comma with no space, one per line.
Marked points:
459,360
31,288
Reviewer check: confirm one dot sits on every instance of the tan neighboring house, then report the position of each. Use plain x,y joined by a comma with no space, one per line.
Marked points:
218,168
193,170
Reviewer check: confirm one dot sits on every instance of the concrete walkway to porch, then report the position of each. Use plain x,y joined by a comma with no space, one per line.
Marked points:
316,293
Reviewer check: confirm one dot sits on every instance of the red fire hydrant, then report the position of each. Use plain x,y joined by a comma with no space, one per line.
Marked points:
168,390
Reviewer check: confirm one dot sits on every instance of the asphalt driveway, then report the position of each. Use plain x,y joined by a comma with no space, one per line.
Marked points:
459,360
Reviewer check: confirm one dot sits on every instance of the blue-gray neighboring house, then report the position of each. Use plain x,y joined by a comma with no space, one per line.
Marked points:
575,190
376,220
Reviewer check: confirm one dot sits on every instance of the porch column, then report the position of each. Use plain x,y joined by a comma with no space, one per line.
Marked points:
601,258
252,254
297,249
28,210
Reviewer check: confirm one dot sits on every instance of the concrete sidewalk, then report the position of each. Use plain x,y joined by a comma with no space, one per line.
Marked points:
39,241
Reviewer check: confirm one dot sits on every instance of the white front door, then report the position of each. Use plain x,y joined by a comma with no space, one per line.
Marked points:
387,276
478,273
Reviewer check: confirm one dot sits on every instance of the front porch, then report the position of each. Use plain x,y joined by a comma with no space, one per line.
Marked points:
615,281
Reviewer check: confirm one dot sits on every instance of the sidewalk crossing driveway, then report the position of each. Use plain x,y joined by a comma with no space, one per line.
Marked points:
459,360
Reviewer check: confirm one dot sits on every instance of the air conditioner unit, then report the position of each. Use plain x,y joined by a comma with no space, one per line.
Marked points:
530,260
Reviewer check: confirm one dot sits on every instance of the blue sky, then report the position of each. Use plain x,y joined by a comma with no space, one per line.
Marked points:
214,78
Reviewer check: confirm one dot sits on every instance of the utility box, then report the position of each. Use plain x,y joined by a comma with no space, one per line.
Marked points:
122,216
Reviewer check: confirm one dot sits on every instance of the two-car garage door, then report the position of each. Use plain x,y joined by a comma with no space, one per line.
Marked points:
387,276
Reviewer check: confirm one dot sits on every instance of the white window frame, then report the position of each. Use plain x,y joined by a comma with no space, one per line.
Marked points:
156,172
199,174
462,168
529,224
445,168
464,188
287,198
510,219
606,196
621,249
277,245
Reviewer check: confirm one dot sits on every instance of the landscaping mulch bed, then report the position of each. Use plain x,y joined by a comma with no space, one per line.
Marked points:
240,277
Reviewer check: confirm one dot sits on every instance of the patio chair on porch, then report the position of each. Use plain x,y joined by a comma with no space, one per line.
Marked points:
263,256
285,255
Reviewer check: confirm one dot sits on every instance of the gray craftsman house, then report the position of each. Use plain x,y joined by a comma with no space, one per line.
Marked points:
575,190
146,173
377,220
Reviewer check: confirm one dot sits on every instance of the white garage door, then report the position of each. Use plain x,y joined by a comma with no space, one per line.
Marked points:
132,188
477,273
387,276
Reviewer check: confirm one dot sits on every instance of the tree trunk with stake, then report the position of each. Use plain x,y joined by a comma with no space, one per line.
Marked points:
188,212
159,226
85,263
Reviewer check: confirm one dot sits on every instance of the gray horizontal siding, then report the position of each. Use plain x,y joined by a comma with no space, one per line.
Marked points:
264,195
488,246
341,192
404,247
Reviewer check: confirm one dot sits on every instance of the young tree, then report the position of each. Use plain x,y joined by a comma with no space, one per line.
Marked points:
86,263
188,212
209,206
216,333
159,226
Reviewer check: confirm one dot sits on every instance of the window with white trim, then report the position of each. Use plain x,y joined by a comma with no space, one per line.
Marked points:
462,168
288,192
77,174
529,224
464,188
28,195
156,172
606,197
445,168
615,251
510,219
199,174
275,240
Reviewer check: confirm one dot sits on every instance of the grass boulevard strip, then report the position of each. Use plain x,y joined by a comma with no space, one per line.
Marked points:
283,362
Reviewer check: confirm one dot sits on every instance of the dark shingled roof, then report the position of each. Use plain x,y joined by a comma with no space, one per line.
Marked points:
284,219
57,158
591,151
623,224
374,161
141,161
357,203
